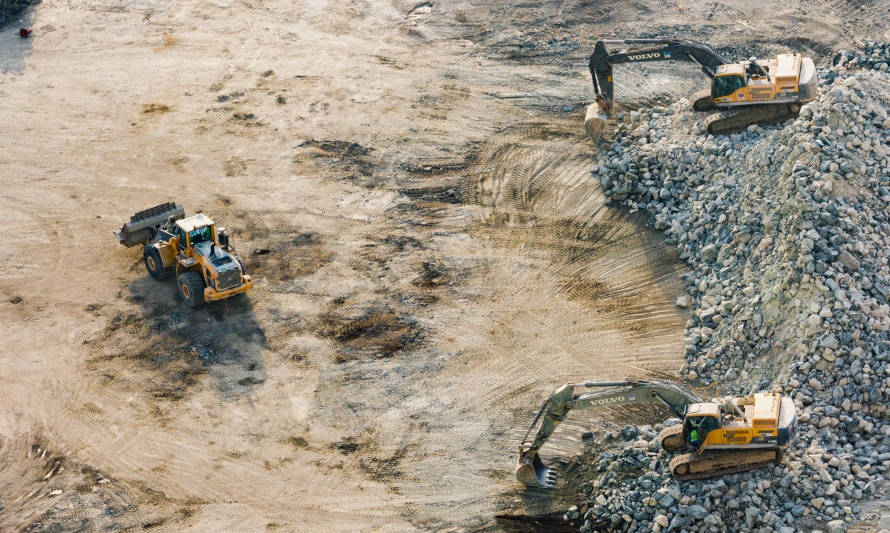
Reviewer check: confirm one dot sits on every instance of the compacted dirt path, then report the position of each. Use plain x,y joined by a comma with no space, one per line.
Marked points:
410,187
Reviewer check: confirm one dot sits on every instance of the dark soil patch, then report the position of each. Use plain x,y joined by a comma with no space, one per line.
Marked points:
434,274
374,332
346,446
434,168
350,159
155,108
346,148
230,96
445,194
286,256
403,242
382,469
549,523
298,442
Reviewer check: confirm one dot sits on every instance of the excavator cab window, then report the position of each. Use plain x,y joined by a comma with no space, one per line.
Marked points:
698,427
725,85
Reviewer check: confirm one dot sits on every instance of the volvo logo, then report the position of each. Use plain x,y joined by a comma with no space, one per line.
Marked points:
640,57
615,399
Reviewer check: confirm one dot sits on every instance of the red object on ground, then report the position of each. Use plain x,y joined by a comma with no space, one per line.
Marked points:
24,33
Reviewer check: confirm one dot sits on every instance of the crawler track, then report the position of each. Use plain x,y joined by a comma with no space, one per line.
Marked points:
702,101
733,121
671,439
691,466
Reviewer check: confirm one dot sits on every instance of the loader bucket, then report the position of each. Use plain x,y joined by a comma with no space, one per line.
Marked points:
142,227
532,471
595,121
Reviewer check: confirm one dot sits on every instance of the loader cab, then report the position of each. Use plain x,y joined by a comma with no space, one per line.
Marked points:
194,230
701,419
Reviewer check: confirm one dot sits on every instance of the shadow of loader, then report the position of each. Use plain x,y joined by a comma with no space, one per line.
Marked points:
221,339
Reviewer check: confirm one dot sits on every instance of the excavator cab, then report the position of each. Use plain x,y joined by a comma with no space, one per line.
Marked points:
701,419
697,428
726,85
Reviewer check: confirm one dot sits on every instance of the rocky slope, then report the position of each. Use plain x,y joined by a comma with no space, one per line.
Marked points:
787,233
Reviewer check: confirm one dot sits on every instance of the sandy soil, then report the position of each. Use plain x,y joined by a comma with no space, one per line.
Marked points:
408,184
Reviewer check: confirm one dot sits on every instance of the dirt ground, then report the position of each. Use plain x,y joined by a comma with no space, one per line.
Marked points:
409,185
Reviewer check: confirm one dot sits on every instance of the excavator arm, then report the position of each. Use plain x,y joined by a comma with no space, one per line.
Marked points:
534,473
602,59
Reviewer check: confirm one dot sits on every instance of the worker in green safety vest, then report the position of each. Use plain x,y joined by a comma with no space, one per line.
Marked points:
697,430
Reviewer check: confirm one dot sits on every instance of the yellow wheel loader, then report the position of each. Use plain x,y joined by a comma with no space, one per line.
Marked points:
193,248
744,93
721,436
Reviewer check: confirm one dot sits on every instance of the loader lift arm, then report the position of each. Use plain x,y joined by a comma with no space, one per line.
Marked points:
601,61
534,473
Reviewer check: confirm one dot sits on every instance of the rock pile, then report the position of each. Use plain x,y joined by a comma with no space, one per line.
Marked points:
787,232
11,9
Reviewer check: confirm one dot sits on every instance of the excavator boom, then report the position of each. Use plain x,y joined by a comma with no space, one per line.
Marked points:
534,473
602,59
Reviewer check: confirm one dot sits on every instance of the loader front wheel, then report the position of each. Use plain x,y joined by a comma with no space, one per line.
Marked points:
154,265
191,288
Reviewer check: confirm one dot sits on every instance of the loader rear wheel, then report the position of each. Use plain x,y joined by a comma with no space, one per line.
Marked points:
191,288
155,265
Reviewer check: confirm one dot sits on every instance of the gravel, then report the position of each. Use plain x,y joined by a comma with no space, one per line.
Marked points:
786,230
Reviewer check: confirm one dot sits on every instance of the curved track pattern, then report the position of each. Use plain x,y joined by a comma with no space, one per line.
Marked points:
431,256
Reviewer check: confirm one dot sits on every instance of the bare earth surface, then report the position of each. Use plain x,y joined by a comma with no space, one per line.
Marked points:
410,187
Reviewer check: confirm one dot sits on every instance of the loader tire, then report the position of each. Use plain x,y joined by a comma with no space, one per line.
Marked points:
155,265
191,288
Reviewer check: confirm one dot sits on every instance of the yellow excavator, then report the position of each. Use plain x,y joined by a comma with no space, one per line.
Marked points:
745,92
720,436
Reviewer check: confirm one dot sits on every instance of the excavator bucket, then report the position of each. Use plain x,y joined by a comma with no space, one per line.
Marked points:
532,471
595,121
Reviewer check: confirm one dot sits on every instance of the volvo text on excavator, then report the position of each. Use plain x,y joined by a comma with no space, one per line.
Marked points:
721,436
744,93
